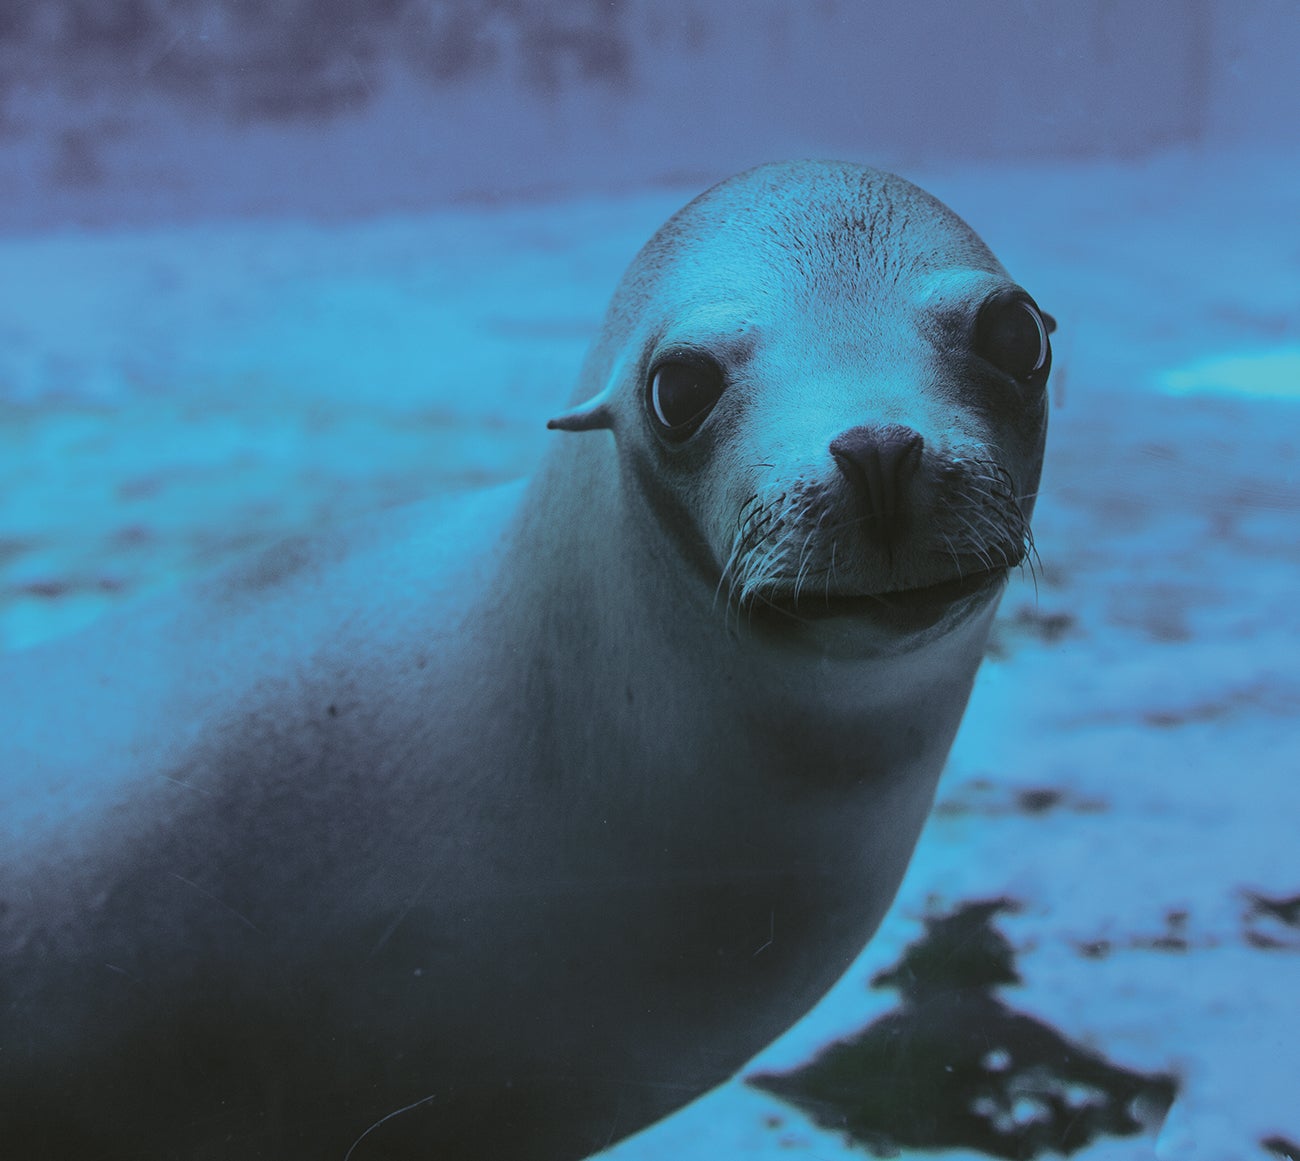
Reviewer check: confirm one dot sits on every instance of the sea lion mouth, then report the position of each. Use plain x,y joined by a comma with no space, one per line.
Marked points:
922,599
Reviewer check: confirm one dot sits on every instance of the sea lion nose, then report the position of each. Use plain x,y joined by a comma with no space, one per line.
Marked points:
879,462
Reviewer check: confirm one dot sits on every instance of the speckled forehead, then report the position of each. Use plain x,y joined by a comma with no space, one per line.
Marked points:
858,234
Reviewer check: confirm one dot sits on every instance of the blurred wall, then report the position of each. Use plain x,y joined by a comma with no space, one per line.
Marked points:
116,110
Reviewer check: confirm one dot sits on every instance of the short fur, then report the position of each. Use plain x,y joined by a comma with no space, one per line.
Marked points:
503,828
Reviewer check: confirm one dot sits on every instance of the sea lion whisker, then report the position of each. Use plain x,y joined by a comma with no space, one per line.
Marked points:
726,576
382,1120
952,551
978,547
742,512
763,573
805,561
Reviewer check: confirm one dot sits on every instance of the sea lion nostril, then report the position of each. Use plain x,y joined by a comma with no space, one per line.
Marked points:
880,462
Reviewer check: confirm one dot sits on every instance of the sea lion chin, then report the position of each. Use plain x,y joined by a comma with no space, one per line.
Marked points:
503,827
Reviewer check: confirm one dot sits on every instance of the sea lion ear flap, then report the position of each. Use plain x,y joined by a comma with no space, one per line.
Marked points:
1048,321
590,416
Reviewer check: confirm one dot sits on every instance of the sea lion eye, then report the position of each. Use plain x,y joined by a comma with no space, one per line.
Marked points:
1011,333
680,395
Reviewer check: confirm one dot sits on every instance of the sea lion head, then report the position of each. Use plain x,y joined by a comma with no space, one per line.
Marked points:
832,395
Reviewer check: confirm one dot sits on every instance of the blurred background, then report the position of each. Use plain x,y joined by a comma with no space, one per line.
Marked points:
116,110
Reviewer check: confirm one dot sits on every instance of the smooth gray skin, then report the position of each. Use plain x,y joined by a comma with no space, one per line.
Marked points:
500,813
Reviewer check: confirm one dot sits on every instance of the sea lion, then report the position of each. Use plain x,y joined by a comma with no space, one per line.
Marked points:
501,828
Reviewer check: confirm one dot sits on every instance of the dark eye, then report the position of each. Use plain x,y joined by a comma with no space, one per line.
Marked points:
1012,335
681,394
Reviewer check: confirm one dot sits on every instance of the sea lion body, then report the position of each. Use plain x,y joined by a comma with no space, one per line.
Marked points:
500,828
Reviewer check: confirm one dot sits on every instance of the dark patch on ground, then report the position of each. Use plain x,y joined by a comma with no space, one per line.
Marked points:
987,798
1268,923
1038,801
1285,910
1169,719
1174,938
1272,923
954,1067
53,589
1262,697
